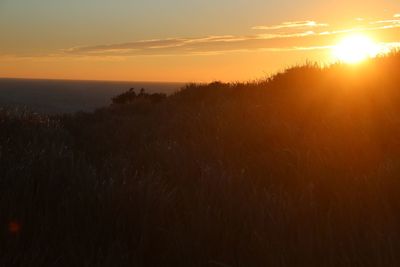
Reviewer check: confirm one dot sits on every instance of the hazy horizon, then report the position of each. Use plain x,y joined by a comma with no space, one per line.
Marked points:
51,96
88,80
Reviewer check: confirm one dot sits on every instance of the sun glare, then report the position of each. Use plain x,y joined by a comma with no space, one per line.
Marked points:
355,49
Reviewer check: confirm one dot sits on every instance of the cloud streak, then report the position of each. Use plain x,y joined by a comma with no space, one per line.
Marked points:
292,25
388,21
203,45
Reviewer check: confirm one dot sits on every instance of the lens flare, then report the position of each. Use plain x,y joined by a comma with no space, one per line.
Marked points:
14,227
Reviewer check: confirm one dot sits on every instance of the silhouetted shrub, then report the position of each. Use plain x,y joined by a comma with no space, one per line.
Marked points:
130,96
125,98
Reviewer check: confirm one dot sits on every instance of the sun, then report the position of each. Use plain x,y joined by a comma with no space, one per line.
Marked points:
355,49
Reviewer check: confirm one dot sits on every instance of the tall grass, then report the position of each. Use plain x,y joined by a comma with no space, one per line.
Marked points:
301,169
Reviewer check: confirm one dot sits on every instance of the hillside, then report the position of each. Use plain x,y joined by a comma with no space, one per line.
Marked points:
300,169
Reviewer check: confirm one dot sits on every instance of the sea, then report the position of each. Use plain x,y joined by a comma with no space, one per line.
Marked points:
68,96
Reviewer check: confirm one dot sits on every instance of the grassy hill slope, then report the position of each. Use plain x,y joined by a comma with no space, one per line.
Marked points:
301,169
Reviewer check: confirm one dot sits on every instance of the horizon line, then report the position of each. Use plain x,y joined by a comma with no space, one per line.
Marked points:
88,80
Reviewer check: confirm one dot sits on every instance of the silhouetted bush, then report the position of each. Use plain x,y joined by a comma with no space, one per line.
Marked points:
130,96
126,97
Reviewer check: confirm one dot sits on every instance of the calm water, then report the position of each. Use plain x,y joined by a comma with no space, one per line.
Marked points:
61,96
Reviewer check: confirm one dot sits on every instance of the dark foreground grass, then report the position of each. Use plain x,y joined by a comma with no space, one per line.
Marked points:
302,169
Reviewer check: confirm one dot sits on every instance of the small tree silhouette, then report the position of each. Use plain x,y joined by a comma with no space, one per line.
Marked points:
130,96
126,97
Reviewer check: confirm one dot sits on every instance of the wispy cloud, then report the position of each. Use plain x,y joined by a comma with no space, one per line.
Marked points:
387,21
292,25
202,45
396,15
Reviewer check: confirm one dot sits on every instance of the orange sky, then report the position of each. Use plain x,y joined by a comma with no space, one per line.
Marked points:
188,41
